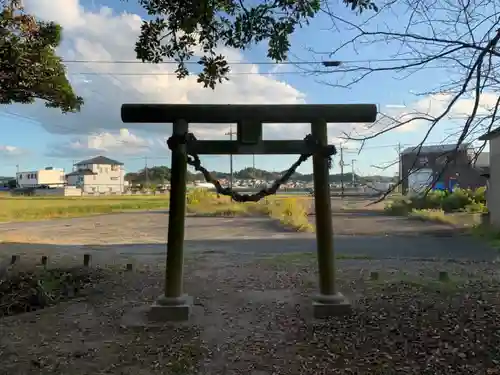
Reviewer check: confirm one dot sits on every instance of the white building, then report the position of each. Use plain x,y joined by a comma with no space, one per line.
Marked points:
99,175
45,177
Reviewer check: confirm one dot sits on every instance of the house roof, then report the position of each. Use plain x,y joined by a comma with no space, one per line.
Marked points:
435,148
81,172
490,135
103,160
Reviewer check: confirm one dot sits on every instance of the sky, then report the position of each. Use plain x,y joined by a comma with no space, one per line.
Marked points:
34,137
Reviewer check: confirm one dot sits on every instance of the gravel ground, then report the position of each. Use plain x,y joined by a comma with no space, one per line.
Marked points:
253,316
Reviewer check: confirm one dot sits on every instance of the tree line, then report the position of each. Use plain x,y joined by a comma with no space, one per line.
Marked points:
161,175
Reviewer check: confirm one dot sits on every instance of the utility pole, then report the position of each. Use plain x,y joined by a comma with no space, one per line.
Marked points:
352,172
400,170
230,134
341,171
146,173
253,172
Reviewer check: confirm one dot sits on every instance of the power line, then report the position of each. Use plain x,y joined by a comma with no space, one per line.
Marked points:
239,62
291,72
175,74
398,146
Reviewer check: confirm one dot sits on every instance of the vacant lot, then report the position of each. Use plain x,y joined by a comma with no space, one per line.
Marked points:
143,234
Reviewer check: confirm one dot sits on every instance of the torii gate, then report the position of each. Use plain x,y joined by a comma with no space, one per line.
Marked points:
174,305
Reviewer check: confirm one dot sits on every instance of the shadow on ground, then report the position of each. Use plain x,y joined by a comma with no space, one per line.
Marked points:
374,247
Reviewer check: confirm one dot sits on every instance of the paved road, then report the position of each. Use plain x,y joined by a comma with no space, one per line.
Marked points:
143,234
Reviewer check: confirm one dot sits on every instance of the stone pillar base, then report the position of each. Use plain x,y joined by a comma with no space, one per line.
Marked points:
171,309
327,306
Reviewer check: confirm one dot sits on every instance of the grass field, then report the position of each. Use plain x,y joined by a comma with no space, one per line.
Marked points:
291,212
39,208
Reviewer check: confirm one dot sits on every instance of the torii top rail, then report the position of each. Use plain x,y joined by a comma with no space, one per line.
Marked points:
249,119
258,113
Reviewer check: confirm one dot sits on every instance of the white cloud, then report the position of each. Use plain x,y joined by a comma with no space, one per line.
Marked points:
414,114
115,143
105,35
7,151
464,107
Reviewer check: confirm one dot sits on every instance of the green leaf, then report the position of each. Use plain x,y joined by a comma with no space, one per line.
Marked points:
29,66
181,27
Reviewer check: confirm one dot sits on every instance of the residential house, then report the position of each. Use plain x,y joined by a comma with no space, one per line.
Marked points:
445,166
48,177
98,176
5,183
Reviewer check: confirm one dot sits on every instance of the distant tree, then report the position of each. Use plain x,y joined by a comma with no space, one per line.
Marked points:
131,177
181,27
29,66
161,174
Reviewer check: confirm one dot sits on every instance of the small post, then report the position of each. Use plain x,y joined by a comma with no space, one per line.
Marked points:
329,302
86,260
374,276
129,267
44,260
14,259
174,305
443,276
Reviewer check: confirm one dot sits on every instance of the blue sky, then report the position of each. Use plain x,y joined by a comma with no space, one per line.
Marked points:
33,139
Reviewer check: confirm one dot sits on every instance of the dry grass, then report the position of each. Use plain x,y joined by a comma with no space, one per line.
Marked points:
291,212
40,208
438,216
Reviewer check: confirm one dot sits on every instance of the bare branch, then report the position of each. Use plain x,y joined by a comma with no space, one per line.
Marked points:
456,37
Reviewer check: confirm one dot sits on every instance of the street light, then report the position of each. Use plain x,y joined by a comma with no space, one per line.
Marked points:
330,64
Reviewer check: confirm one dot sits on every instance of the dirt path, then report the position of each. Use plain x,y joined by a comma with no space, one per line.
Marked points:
133,227
123,237
141,236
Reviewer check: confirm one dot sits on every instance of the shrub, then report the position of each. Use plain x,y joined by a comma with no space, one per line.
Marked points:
457,201
479,195
398,207
290,212
476,207
197,196
465,200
